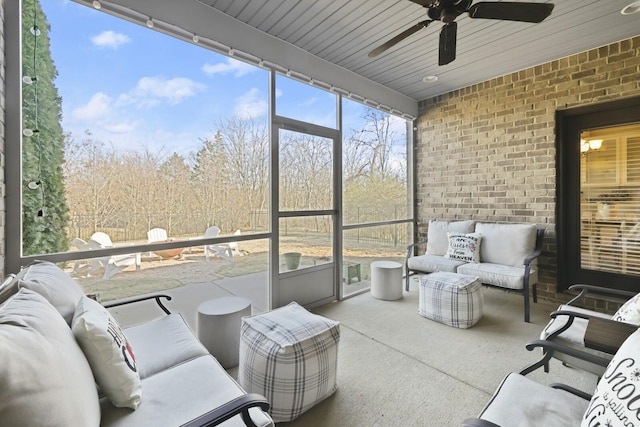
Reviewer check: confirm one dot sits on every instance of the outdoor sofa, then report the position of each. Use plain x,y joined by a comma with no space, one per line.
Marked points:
498,254
54,341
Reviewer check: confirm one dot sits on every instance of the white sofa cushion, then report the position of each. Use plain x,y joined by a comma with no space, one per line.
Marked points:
109,353
519,399
163,343
54,284
431,263
437,240
507,244
504,276
180,394
464,247
45,379
615,401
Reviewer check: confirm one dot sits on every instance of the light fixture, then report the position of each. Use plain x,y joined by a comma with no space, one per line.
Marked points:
288,73
595,144
97,4
590,145
28,80
231,51
150,23
631,8
430,79
195,38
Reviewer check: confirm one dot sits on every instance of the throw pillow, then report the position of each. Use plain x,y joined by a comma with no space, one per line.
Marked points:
615,401
54,284
45,380
464,247
437,234
108,352
629,312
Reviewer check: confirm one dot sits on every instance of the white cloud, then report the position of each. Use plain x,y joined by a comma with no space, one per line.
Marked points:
110,40
251,104
238,68
122,127
97,108
150,91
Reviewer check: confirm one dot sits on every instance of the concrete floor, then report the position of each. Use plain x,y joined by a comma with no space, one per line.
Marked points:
396,368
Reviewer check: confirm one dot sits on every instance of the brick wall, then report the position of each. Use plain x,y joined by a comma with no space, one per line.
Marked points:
487,151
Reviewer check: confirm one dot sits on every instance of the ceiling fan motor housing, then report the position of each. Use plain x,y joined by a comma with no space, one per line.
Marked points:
448,11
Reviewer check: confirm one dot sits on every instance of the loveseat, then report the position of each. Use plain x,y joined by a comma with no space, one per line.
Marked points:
498,254
66,362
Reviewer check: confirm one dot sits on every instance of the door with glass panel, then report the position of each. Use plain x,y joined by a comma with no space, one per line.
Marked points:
598,195
306,215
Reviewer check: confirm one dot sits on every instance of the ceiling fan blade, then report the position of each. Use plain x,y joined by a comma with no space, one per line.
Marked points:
397,39
511,11
447,51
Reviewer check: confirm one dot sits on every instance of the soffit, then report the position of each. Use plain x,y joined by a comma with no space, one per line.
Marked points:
328,40
344,31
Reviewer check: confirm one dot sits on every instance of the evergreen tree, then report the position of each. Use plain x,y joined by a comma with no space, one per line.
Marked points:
44,208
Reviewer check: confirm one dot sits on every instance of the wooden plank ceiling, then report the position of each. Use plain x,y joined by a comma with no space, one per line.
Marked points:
344,31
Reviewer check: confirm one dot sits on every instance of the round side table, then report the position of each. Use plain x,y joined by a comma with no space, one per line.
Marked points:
219,327
386,280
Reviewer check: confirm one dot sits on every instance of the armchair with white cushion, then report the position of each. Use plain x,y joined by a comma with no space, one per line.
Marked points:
522,401
568,325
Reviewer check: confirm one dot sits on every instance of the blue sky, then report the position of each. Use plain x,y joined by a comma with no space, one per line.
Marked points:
137,89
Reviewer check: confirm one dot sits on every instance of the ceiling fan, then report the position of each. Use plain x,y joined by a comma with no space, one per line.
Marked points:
447,11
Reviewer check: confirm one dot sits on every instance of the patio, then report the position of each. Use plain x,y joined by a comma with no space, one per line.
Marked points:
245,276
395,367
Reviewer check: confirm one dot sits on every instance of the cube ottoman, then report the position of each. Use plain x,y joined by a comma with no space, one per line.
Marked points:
290,356
451,298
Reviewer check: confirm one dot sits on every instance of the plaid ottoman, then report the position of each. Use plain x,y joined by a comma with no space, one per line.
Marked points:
450,298
290,356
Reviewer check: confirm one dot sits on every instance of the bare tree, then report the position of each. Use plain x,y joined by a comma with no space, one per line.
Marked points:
246,147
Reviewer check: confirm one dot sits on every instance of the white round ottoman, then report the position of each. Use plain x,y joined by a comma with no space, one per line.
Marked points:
451,298
386,280
219,323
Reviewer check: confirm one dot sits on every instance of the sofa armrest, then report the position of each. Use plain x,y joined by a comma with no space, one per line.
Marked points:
538,249
585,289
529,259
551,347
413,245
145,298
572,390
410,249
239,405
477,422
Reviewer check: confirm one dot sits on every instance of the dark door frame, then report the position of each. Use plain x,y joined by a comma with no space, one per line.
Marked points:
569,124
